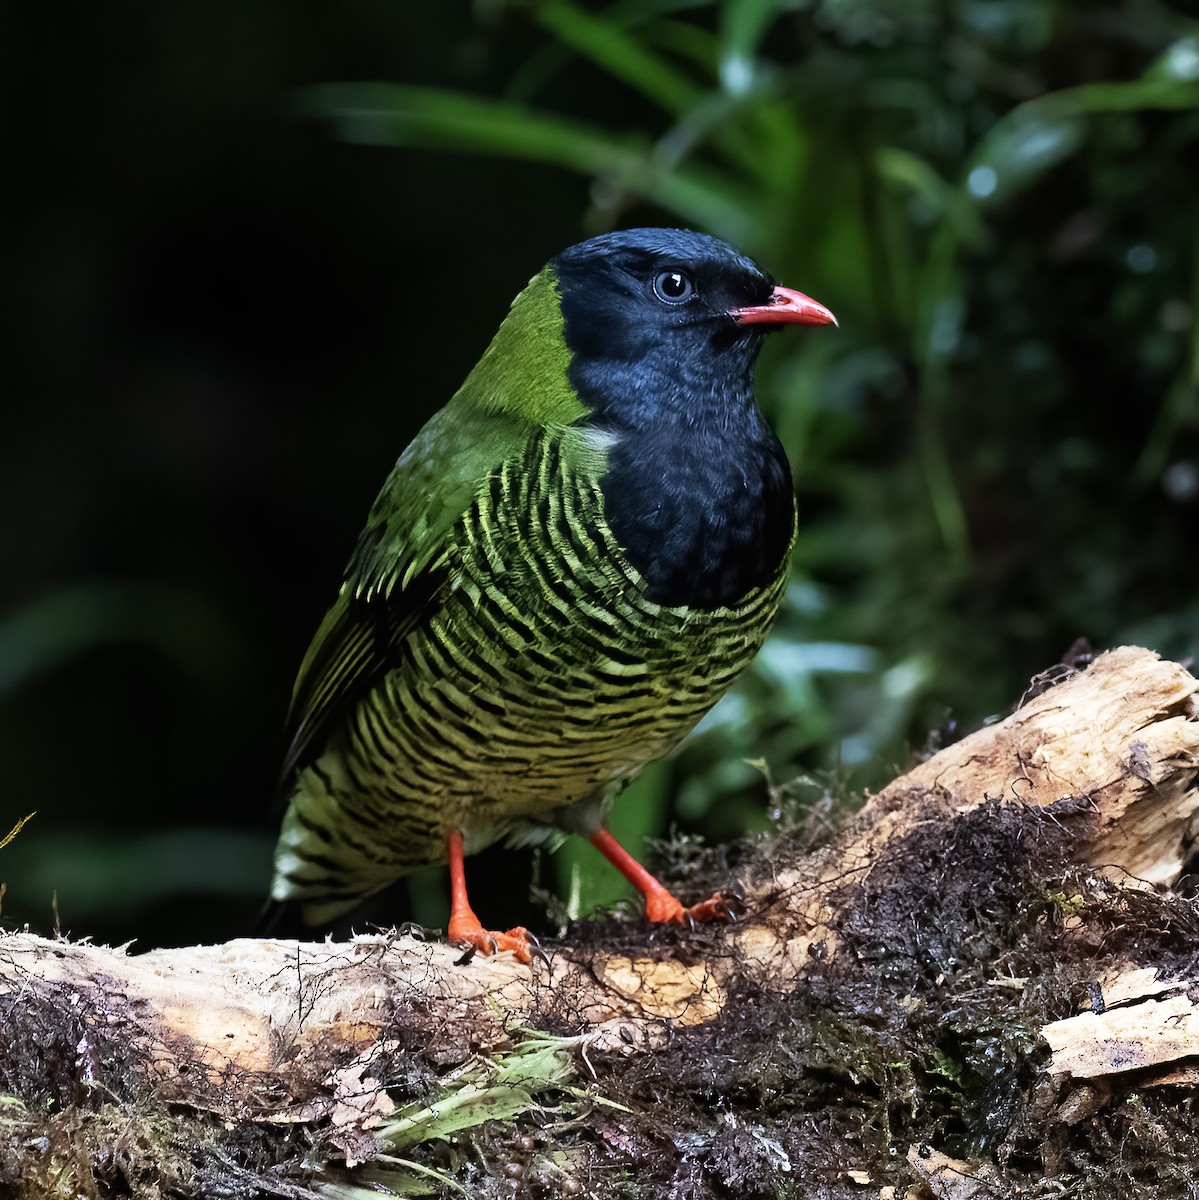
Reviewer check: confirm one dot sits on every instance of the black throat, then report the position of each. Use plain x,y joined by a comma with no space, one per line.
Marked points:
698,490
704,516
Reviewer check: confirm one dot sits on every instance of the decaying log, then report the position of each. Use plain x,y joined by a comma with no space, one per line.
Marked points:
285,1031
1146,1024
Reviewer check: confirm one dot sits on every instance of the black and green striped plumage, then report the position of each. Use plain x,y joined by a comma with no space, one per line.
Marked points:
563,573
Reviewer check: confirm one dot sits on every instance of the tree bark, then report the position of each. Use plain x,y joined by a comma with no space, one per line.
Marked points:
285,1031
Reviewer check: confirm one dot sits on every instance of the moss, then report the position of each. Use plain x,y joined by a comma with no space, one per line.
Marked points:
116,1149
922,1028
958,946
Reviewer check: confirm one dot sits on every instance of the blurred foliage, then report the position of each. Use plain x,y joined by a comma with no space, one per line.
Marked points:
996,453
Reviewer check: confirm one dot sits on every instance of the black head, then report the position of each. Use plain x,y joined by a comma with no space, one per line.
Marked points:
663,328
665,322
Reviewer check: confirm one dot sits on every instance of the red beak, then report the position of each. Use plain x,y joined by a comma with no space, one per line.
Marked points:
785,307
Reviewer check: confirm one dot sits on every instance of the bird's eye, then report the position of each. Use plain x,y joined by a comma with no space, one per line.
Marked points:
673,287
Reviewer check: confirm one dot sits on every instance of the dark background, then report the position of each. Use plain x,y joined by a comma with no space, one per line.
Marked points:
229,300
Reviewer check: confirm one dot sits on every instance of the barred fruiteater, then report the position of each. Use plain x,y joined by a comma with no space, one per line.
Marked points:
564,571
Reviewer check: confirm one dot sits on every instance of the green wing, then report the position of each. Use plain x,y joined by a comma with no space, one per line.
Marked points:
357,643
400,569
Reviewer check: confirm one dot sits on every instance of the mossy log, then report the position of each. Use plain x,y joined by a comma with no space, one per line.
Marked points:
1013,895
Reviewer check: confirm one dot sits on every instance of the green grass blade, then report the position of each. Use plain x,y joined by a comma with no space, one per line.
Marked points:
501,1091
620,55
743,25
396,115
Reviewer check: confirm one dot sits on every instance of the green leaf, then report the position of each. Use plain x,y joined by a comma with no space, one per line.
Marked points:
743,25
942,197
395,115
621,55
497,1091
1034,136
1020,148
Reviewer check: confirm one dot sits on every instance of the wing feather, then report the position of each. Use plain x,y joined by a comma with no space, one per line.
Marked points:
399,570
358,643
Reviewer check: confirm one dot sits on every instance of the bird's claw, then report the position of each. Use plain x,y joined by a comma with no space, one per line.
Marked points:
490,942
724,906
715,909
536,948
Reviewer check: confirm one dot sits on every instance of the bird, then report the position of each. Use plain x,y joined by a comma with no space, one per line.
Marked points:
564,571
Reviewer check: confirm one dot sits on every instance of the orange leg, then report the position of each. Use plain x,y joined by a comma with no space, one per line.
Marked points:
660,904
465,926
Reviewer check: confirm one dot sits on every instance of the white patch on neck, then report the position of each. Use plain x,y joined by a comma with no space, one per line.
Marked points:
599,441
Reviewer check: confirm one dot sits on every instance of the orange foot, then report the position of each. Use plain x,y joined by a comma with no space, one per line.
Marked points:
662,907
468,931
466,927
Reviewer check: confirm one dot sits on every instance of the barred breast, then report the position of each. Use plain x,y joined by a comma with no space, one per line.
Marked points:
543,682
